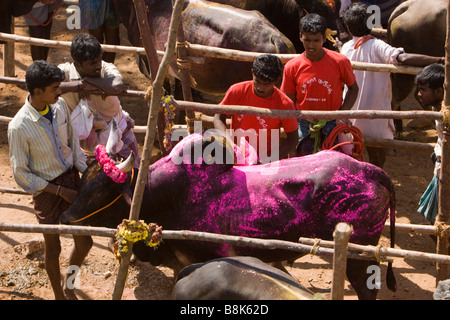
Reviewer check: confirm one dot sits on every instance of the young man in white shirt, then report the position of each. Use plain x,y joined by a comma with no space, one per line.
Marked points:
375,89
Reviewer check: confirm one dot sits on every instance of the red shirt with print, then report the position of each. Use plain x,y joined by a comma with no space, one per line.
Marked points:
318,85
242,94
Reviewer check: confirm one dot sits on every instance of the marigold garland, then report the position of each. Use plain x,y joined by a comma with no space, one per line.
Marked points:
168,108
108,165
133,231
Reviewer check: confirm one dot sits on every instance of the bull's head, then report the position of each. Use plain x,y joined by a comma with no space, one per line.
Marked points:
106,188
103,199
105,193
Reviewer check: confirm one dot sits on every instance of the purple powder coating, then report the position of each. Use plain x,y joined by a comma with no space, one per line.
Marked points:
292,198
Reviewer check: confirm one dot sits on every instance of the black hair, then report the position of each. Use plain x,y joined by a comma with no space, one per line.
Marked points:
432,76
41,74
313,23
267,67
355,18
85,47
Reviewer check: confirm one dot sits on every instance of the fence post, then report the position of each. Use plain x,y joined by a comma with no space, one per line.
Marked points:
157,93
9,69
341,236
444,178
184,66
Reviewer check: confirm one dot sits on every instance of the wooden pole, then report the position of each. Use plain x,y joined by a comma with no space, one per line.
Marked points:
196,50
306,245
8,56
286,114
444,178
341,236
66,44
152,57
157,93
184,66
58,229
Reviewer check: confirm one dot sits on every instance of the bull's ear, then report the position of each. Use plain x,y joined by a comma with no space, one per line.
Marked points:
91,172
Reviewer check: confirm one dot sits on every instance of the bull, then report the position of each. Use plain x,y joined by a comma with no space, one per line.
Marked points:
238,278
197,187
210,24
285,15
419,27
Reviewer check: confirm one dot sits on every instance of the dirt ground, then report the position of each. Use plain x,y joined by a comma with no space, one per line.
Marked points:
22,276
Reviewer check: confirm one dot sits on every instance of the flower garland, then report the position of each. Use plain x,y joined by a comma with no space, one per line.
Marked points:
108,165
133,231
168,107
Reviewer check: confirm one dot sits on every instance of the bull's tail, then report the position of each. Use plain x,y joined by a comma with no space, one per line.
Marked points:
383,179
390,277
387,183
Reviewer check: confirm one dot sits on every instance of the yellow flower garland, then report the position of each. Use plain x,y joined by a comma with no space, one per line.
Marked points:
133,231
168,108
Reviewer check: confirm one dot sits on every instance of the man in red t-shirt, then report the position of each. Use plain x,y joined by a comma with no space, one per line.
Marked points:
315,79
261,92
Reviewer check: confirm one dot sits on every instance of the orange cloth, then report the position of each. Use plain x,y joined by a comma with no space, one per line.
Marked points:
362,40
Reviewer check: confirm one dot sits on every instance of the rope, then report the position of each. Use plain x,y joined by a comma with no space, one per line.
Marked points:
185,64
51,17
358,140
441,229
377,252
106,206
446,115
315,247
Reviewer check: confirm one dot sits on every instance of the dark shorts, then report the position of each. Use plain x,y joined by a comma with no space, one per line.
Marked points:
47,206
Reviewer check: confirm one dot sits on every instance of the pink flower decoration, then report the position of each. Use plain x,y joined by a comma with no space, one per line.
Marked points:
109,166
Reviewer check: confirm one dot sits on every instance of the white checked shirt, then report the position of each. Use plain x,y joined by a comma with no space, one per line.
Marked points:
41,150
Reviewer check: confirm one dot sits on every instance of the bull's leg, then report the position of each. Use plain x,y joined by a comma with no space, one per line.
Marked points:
377,156
358,274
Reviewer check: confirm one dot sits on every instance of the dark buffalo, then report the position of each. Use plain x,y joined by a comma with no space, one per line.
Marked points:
13,8
419,27
285,15
283,200
238,278
210,24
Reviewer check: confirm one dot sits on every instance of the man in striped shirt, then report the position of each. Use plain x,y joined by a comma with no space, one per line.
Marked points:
46,159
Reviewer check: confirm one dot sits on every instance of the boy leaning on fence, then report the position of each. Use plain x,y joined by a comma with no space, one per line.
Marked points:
430,90
93,114
375,89
46,160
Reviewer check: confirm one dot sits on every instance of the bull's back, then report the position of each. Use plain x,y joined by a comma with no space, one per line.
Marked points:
419,26
299,197
319,191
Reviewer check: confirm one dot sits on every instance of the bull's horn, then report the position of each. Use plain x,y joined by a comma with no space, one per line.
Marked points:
127,165
113,138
